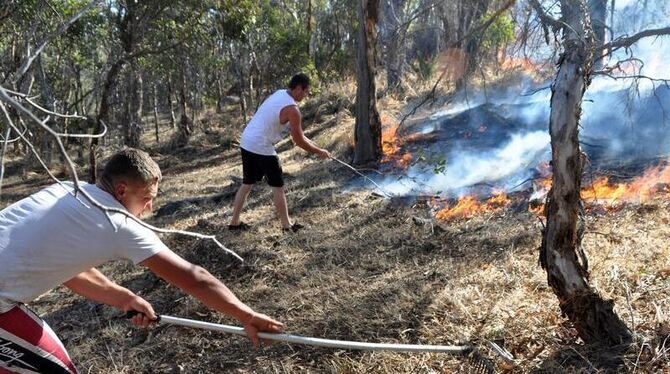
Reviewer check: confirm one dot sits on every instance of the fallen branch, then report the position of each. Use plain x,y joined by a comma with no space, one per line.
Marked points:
73,173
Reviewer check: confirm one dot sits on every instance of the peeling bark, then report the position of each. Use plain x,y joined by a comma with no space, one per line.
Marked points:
561,254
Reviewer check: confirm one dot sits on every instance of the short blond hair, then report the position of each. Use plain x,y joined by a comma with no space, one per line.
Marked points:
130,164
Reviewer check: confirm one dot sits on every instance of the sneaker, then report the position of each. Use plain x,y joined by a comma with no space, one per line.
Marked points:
239,227
294,228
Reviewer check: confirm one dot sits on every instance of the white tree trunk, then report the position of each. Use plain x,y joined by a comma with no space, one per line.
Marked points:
561,254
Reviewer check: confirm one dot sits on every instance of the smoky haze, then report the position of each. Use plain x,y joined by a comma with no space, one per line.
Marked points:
497,139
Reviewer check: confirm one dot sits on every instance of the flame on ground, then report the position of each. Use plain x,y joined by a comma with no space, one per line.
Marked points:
467,206
601,193
641,189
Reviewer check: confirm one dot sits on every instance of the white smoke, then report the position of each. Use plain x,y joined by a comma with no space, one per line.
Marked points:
616,120
501,167
467,169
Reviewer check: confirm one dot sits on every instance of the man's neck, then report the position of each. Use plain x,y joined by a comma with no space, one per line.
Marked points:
290,94
105,186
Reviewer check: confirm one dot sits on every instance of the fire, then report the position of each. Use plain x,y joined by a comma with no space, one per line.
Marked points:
392,144
469,205
538,209
641,189
600,193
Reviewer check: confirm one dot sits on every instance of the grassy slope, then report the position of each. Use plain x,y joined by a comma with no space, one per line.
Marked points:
364,271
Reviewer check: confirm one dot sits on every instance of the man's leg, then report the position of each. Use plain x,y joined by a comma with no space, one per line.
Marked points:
29,345
240,198
279,198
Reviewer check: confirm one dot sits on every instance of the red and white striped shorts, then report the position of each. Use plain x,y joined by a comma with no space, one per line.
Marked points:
28,345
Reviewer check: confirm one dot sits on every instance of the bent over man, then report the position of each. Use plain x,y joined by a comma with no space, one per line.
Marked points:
52,238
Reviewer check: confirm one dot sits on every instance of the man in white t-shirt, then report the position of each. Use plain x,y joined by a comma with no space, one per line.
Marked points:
278,115
52,238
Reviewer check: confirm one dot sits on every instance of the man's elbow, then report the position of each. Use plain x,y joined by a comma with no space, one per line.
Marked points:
199,278
304,146
299,141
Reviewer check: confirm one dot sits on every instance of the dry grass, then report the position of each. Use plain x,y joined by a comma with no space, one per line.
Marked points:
364,270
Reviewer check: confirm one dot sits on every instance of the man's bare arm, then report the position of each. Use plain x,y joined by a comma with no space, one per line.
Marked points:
94,285
298,136
198,282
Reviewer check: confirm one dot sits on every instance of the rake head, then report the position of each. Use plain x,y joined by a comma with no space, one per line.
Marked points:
479,363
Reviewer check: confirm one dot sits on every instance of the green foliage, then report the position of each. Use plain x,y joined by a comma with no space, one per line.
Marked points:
500,32
440,166
426,67
236,17
285,43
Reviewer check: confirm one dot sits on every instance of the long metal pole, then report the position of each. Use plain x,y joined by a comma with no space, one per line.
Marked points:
329,343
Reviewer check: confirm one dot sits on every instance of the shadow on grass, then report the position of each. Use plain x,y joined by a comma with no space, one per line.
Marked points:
584,359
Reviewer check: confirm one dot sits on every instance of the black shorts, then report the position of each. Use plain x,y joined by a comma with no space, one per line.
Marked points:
255,167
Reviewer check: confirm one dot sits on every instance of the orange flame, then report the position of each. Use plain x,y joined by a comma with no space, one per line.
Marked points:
640,189
392,144
537,209
600,193
467,206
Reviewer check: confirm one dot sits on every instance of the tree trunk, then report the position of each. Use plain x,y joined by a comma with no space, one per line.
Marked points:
103,113
49,103
394,36
561,254
173,118
155,102
185,126
132,123
367,137
219,94
192,93
459,19
239,70
311,49
598,10
79,92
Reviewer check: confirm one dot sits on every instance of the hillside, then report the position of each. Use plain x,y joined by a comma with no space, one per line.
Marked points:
367,269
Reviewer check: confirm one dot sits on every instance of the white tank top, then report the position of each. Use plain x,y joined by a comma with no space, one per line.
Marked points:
264,129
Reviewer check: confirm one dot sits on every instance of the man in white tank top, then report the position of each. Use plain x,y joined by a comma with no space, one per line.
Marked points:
277,116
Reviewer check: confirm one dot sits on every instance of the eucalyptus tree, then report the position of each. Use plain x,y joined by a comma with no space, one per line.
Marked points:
561,253
367,135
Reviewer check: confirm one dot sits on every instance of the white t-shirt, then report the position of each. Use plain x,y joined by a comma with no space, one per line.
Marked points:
264,130
49,237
